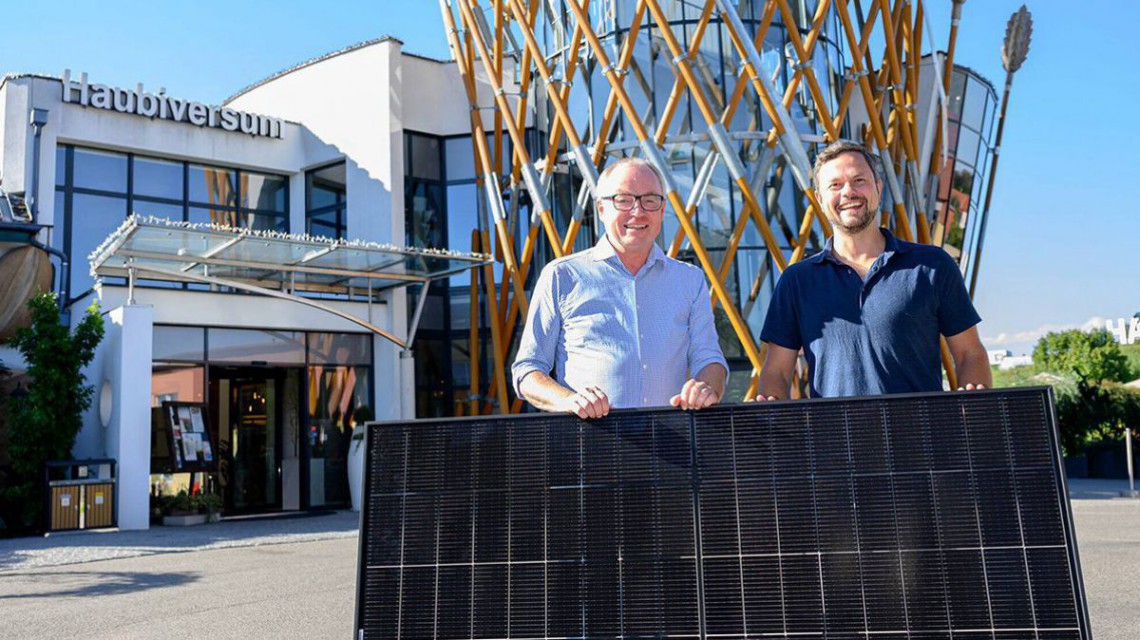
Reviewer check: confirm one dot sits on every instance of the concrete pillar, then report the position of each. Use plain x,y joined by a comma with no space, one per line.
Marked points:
129,340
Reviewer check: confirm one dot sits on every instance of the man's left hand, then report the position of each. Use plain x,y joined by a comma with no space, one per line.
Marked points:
970,386
696,394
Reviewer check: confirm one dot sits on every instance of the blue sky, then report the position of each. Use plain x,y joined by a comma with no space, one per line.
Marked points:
1061,249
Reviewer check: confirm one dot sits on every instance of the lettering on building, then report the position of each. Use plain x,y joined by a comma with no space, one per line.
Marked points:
159,105
1125,331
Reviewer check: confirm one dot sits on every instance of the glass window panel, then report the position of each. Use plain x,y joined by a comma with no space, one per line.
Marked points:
212,185
967,147
57,236
158,178
460,159
209,215
255,346
325,224
101,170
431,363
424,214
956,95
425,157
987,114
93,218
432,316
321,197
460,307
263,221
331,177
264,191
462,219
460,363
338,400
973,113
177,383
158,209
179,343
340,348
60,166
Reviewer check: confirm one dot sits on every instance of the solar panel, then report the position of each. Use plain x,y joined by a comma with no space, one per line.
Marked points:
927,516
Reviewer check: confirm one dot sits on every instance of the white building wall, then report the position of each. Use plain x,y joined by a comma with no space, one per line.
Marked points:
352,102
129,342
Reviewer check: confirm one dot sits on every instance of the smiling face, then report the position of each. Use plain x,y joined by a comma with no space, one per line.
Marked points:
849,193
632,232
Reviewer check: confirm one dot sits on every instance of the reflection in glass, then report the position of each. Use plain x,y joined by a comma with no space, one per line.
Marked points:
179,343
340,348
253,426
254,346
326,201
60,165
338,400
223,217
975,104
177,383
423,201
93,218
158,209
263,191
157,178
460,159
213,185
100,170
425,157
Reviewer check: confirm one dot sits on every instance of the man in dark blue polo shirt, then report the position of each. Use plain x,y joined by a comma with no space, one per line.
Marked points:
868,310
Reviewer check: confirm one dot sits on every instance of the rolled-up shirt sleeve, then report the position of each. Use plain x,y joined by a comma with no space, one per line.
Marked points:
704,344
541,332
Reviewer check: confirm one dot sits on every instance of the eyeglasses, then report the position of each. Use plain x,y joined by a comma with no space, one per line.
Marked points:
647,201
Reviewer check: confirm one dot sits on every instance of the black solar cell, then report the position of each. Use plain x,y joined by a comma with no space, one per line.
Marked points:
923,516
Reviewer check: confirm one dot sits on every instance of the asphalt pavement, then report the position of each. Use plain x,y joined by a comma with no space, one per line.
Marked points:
294,577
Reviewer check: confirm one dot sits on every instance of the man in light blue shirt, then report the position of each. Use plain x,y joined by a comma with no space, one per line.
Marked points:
621,324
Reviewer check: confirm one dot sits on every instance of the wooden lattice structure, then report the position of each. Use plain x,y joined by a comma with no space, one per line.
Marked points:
730,100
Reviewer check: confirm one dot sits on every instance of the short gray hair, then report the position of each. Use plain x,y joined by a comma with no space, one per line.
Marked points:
631,162
838,148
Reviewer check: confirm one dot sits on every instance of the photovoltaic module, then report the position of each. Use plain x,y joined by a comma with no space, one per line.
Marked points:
927,516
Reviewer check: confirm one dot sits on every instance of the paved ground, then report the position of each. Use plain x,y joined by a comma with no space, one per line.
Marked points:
295,577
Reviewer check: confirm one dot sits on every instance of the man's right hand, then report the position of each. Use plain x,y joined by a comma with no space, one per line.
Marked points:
590,402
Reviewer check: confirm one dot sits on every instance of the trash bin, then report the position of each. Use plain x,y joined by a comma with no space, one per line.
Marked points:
80,494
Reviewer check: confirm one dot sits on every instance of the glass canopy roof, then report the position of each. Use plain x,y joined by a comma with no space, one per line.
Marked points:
185,252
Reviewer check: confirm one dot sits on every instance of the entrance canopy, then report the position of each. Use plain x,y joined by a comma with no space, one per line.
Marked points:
272,263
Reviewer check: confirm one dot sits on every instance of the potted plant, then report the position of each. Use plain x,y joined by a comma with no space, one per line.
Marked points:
185,509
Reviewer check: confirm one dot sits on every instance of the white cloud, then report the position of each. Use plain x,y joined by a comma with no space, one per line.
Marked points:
1033,335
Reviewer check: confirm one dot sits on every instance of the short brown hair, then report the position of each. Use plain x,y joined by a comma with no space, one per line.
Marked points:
838,148
636,162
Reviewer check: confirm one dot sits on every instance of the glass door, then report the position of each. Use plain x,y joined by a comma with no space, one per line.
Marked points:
248,403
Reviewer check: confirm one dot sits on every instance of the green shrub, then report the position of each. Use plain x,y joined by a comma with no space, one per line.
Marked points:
42,424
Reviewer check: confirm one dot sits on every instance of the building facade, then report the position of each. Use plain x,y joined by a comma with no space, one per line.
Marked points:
379,147
336,148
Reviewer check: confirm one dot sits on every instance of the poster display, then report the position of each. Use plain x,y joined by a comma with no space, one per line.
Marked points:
190,450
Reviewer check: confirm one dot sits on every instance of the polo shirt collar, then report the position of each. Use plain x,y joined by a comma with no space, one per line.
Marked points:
603,250
893,246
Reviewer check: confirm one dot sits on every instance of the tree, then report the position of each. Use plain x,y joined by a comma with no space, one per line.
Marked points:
44,422
1093,356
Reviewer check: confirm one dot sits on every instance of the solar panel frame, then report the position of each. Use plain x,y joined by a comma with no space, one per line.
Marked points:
648,477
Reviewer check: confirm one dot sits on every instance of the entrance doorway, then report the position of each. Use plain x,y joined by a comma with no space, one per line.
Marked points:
249,408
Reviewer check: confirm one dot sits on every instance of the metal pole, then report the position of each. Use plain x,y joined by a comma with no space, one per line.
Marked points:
1014,49
989,188
1131,493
